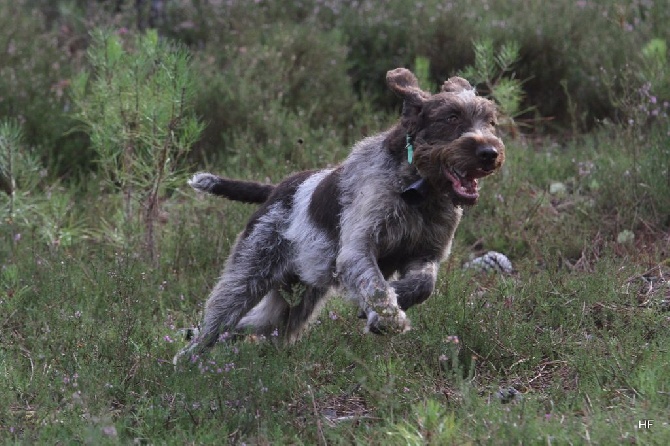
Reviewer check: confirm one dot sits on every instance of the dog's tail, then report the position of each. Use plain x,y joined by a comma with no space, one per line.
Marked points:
236,190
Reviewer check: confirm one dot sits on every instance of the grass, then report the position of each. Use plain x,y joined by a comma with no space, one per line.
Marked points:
579,331
572,348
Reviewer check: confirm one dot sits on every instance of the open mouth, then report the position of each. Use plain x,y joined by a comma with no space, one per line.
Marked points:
464,184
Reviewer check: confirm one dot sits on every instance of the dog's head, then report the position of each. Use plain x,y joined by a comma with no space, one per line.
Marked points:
453,134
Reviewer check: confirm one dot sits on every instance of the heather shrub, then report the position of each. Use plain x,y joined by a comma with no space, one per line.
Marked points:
559,43
636,179
36,64
562,59
262,100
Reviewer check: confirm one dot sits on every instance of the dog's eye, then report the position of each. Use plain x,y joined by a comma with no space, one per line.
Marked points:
493,123
453,119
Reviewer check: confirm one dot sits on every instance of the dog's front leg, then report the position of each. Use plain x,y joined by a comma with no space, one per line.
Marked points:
360,275
416,283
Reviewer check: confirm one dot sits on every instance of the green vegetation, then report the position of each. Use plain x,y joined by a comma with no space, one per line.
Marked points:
136,112
491,69
105,254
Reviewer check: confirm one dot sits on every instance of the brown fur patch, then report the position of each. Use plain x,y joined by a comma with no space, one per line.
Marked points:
283,193
325,207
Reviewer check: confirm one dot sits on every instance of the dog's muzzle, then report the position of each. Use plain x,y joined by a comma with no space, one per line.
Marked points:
464,183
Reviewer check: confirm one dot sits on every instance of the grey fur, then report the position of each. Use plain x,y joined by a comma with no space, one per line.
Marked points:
351,229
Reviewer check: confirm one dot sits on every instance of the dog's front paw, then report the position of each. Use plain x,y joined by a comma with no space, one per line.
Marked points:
388,321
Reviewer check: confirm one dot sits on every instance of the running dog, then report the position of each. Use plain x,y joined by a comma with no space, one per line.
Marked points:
374,228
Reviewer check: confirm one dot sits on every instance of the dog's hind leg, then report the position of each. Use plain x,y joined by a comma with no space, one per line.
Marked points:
267,316
275,313
298,317
259,263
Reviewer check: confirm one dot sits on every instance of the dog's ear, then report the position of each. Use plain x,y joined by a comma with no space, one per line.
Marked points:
457,85
405,84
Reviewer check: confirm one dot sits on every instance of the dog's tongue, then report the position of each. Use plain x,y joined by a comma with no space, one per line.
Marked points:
464,187
468,186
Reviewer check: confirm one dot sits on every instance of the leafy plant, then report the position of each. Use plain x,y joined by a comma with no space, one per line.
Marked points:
11,159
14,162
422,71
135,106
30,205
655,66
494,71
430,427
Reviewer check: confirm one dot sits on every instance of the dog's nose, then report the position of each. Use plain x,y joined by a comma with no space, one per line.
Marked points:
486,153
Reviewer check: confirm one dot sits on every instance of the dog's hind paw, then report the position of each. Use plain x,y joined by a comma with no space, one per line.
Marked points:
188,356
394,323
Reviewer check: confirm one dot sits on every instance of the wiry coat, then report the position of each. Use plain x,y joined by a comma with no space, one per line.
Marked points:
353,227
